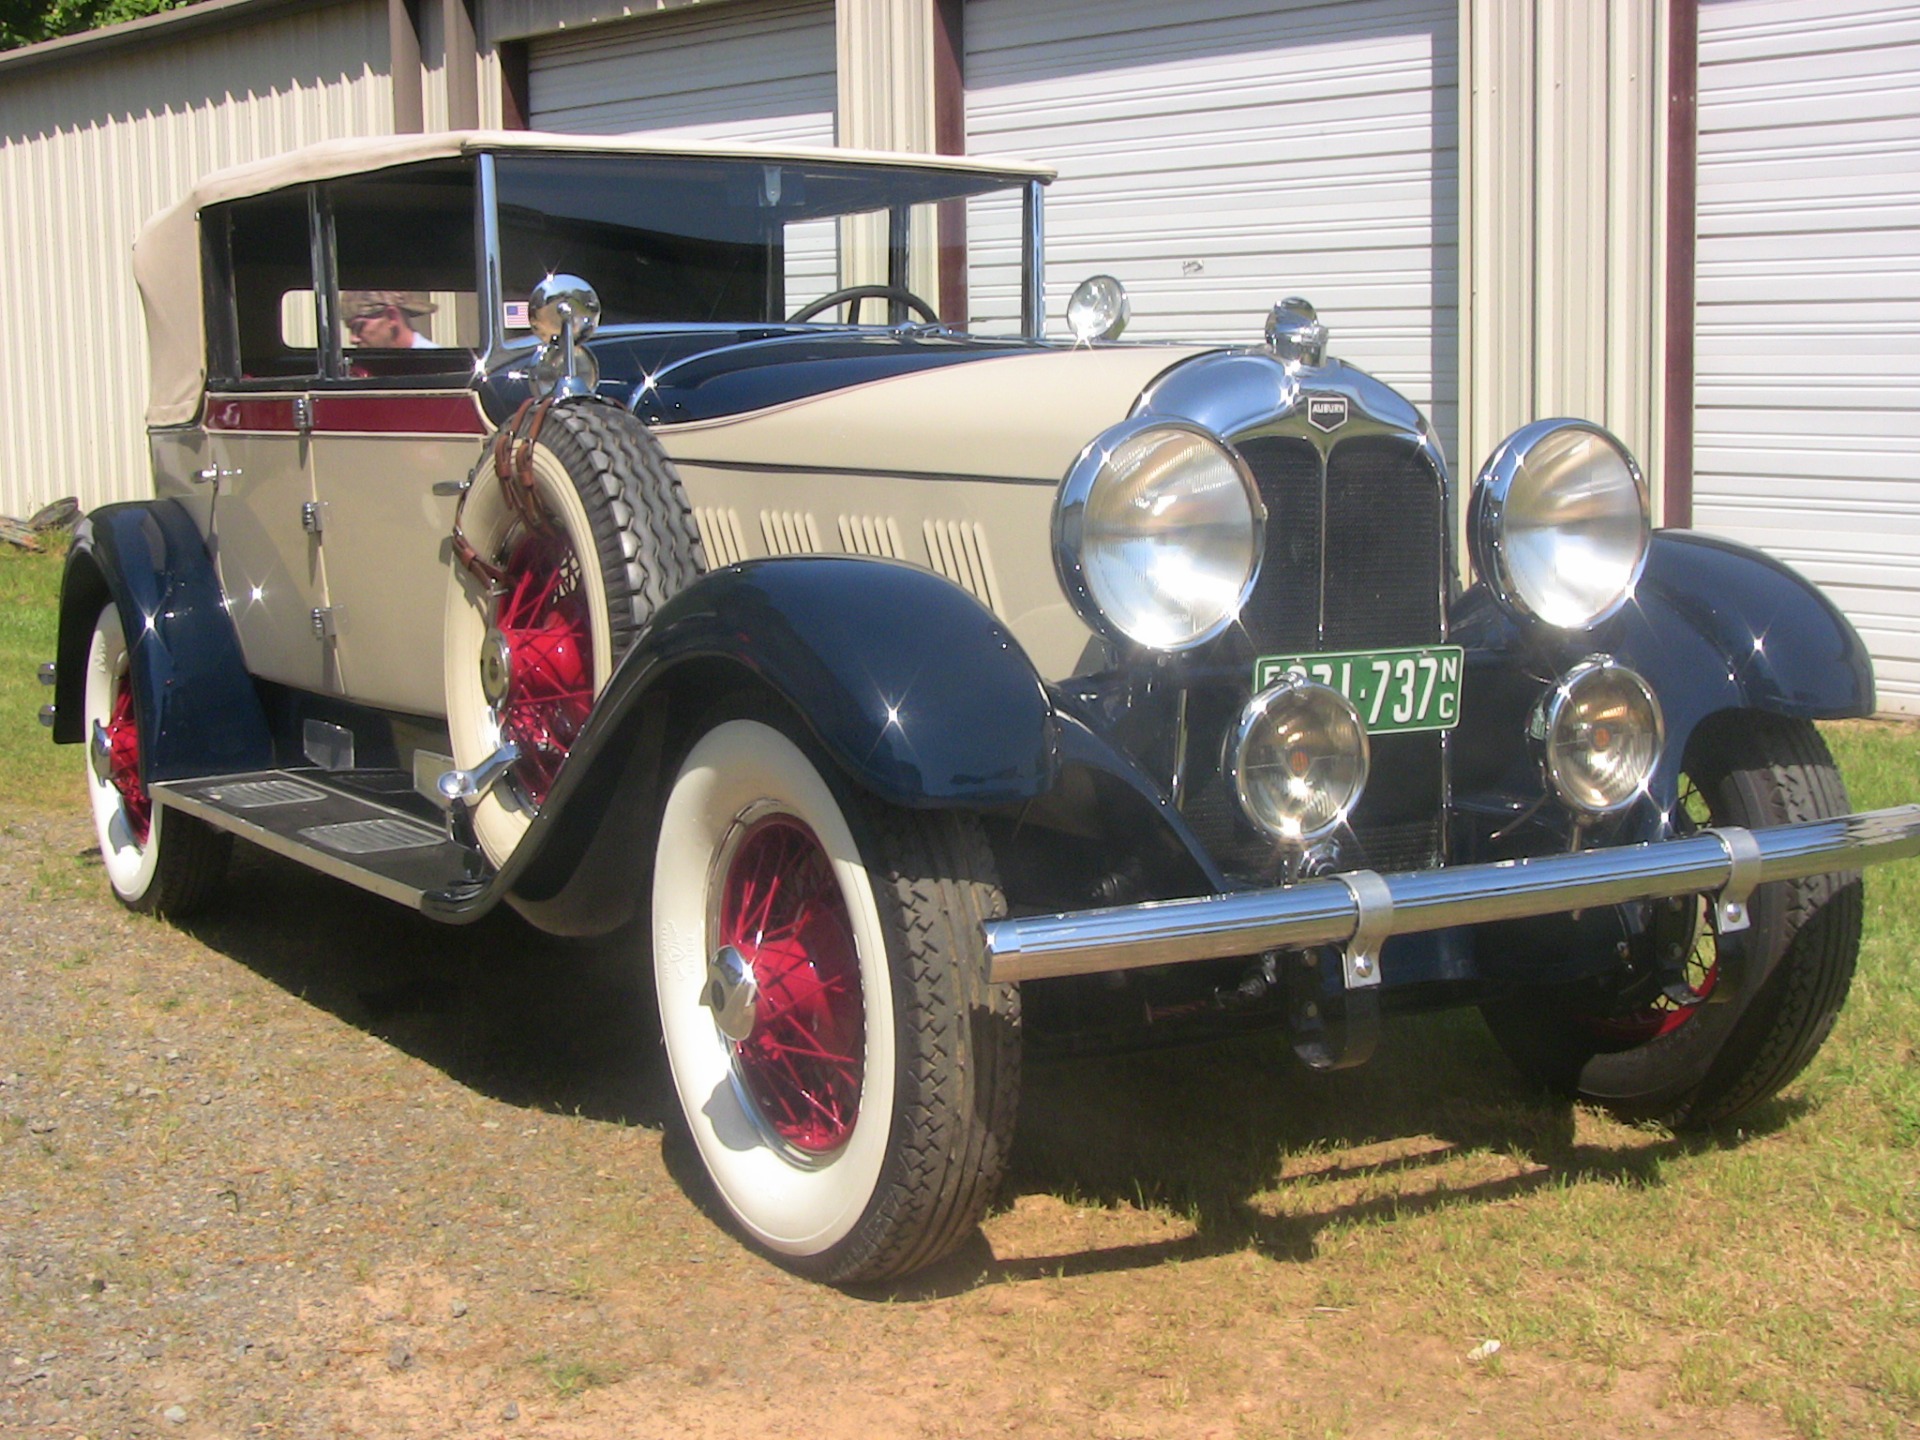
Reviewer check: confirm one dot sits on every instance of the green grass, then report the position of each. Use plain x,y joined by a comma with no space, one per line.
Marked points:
34,775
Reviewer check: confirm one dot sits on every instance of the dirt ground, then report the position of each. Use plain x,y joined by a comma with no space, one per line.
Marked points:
315,1167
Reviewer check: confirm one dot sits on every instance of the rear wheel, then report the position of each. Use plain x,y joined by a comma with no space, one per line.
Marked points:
158,861
1771,992
847,1073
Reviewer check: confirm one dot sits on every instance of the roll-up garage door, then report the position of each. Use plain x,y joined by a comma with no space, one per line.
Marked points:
1807,364
750,71
1218,155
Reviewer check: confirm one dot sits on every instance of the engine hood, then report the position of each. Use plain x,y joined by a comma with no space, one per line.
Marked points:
889,402
1015,412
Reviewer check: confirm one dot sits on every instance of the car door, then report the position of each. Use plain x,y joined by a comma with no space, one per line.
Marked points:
396,424
263,361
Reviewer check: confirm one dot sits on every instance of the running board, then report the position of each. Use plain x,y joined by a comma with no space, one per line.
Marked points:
336,823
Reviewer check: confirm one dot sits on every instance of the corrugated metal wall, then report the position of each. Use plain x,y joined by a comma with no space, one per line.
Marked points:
87,152
1807,360
1563,219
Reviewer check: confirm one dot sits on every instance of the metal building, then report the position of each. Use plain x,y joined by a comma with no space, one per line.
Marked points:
1497,204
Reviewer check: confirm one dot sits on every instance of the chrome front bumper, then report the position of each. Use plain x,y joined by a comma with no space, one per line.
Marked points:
1359,911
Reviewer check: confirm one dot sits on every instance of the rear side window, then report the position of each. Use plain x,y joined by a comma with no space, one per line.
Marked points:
261,319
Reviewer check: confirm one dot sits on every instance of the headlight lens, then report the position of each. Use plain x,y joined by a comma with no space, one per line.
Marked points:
1299,760
1603,734
1560,523
1157,534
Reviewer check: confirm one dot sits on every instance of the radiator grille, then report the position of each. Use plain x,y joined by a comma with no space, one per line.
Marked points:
1384,547
1283,614
1354,560
1351,563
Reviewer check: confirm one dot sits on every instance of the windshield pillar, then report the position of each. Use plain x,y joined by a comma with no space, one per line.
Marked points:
1033,287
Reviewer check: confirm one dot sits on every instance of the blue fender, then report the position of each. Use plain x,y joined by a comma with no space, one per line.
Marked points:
911,686
1720,625
1714,626
916,689
197,708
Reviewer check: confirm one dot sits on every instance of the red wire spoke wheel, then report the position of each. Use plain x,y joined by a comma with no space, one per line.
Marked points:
572,574
782,910
123,749
1773,988
543,642
846,1073
158,861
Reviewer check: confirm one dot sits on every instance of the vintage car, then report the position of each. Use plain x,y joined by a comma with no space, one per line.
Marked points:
540,521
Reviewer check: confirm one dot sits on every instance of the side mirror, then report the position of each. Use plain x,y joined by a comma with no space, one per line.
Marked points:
564,310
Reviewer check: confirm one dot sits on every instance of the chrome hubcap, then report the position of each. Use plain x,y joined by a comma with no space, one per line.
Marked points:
496,667
731,993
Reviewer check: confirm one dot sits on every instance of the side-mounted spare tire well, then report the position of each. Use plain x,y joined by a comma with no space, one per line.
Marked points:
573,532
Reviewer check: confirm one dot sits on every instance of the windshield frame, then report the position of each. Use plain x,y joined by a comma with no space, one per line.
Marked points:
499,346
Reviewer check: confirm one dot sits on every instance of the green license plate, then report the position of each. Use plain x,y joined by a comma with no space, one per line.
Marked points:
1392,689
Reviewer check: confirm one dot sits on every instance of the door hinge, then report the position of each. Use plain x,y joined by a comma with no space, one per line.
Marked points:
303,414
313,516
323,622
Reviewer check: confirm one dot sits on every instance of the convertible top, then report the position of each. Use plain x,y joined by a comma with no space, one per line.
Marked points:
166,256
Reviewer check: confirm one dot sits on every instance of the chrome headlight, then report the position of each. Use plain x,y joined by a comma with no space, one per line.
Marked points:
1299,760
1157,534
1560,523
1603,733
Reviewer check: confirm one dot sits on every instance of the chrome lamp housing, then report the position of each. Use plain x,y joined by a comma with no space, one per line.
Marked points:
1601,733
1560,523
1158,530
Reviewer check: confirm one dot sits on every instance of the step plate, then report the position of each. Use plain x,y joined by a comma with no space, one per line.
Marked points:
332,823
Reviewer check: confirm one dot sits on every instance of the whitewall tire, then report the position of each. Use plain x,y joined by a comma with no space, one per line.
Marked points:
157,862
847,1075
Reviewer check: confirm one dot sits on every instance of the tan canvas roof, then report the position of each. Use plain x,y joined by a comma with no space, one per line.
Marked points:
166,256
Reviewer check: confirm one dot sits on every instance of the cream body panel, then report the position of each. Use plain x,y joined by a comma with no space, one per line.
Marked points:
178,457
270,567
994,539
954,470
388,542
1023,415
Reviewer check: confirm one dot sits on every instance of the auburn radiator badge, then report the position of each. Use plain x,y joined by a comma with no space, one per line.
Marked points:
1327,412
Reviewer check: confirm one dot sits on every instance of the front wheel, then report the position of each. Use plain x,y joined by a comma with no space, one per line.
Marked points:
159,862
1771,992
848,1075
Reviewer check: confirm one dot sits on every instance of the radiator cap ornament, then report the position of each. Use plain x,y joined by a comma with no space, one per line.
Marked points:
1295,334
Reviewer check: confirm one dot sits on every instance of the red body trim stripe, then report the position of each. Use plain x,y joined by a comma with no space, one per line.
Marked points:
250,415
399,414
355,415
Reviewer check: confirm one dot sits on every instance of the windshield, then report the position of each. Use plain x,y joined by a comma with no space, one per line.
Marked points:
666,239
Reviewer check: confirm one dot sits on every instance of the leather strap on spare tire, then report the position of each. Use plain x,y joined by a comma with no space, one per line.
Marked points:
573,531
511,454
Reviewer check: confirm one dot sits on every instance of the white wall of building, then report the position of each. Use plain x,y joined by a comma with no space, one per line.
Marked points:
1807,363
87,153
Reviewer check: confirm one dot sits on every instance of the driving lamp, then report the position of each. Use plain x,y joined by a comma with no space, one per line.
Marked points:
1098,310
1299,760
1157,534
1603,733
1560,523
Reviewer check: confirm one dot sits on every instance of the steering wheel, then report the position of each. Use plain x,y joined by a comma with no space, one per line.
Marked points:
854,294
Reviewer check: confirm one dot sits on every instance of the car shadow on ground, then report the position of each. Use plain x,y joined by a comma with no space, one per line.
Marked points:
1204,1133
505,1010
1199,1132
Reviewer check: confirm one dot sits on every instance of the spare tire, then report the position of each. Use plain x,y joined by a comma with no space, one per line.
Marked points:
555,592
